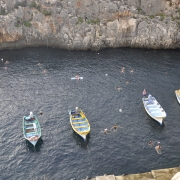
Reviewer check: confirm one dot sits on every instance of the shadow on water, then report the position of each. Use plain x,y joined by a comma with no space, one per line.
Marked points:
80,141
37,148
153,123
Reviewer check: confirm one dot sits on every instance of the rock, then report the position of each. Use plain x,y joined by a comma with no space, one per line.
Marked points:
152,7
90,24
176,176
135,3
73,20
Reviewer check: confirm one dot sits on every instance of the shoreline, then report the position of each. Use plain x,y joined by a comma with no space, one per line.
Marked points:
20,45
159,174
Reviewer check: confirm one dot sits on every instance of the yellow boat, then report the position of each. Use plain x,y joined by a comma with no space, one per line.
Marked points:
177,92
79,123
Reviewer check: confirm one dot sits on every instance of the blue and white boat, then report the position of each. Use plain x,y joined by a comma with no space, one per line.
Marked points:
154,109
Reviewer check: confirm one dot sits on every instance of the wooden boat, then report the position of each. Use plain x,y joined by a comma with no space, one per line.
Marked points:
177,92
154,109
31,129
79,123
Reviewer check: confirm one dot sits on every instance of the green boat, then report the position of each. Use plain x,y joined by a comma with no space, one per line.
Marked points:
31,128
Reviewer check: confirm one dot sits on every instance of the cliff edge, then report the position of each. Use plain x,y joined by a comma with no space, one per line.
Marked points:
90,24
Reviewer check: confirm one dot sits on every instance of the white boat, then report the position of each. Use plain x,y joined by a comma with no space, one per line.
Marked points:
177,92
154,109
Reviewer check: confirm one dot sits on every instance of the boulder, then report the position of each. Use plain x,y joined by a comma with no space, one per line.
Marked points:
176,176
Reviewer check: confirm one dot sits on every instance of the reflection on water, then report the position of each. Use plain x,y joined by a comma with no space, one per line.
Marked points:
37,148
80,141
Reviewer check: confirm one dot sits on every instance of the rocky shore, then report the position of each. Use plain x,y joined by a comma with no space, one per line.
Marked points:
90,24
161,174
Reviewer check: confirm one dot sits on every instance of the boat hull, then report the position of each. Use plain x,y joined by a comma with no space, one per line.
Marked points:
34,142
79,123
177,93
154,110
31,129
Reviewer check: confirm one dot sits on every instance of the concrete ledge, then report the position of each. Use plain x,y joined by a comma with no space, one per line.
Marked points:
110,177
161,174
165,174
143,176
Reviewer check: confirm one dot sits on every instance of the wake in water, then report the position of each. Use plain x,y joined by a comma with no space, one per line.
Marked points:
157,147
150,143
114,128
106,131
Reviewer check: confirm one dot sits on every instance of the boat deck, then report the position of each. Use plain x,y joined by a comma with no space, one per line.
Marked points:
79,122
154,108
178,93
31,127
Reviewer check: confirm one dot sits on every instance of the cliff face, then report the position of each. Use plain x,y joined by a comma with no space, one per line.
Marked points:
90,24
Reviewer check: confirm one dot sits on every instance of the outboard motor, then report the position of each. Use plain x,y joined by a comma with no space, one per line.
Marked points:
31,115
77,110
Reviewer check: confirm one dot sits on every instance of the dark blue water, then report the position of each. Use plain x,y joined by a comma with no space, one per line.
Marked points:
38,79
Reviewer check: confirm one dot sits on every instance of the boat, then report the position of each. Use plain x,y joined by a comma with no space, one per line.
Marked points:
77,78
154,109
31,128
79,123
177,92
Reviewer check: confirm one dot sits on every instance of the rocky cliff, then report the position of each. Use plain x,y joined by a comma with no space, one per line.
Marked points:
90,24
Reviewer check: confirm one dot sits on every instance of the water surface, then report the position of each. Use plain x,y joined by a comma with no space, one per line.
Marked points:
38,79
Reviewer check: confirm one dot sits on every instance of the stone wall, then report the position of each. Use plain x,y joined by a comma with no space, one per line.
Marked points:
90,24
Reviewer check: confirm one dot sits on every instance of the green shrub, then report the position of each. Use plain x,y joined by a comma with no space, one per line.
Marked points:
23,4
162,16
96,21
80,20
38,7
18,22
93,21
27,24
33,4
46,13
173,18
3,11
139,10
152,16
